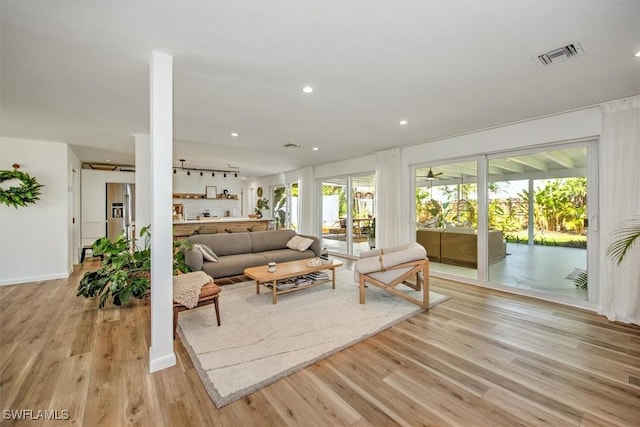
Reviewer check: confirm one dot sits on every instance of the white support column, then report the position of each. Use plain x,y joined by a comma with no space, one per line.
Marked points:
483,218
306,202
143,184
532,224
161,353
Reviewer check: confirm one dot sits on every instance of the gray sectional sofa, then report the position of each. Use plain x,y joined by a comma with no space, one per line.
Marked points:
237,251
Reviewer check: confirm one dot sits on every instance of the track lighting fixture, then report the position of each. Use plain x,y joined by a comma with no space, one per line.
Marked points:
213,171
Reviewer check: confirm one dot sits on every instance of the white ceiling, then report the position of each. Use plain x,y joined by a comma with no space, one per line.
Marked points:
77,72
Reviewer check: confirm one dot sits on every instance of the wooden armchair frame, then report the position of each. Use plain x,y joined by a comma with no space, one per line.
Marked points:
418,267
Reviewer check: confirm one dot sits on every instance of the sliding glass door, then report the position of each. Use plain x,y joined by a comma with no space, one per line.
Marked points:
348,214
446,215
285,206
533,231
538,201
334,215
363,213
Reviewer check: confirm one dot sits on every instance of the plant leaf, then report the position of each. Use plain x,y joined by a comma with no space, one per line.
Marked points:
625,238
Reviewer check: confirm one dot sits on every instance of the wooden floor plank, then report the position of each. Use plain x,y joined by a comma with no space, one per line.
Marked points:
483,358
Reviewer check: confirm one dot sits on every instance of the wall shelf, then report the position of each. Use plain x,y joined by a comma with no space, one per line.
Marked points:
188,196
196,196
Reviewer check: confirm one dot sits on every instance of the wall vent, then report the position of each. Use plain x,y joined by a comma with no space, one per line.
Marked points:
559,54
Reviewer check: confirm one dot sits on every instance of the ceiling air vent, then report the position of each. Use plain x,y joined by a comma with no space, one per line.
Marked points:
290,145
559,54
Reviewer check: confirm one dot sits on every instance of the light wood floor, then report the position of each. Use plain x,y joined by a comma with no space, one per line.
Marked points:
483,358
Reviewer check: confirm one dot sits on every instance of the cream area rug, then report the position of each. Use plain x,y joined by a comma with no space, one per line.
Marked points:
259,343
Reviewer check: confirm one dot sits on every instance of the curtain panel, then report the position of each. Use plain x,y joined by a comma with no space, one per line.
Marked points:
388,173
620,201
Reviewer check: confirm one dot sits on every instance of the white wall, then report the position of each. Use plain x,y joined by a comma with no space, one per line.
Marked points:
35,239
194,183
563,127
365,164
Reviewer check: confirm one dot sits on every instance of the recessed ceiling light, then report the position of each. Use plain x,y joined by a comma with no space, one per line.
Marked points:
637,55
403,122
108,160
307,89
234,134
315,148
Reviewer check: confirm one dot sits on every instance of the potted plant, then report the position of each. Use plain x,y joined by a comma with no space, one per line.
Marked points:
261,205
624,239
125,271
371,234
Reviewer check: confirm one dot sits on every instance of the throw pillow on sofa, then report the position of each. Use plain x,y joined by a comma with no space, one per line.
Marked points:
299,243
293,242
207,253
304,244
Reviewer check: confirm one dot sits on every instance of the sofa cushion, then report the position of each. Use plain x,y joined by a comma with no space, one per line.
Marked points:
269,240
194,259
233,265
224,244
284,255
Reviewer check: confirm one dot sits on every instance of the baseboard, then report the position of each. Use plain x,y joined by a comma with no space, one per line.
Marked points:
31,279
160,363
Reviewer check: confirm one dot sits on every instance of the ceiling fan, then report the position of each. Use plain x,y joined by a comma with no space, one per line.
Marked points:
430,175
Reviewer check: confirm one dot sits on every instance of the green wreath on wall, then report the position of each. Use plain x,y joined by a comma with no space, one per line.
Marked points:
27,192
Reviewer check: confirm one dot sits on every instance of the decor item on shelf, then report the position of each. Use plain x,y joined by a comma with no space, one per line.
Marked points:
261,205
27,192
211,192
125,272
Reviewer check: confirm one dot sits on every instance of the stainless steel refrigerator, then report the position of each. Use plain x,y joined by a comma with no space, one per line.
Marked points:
121,213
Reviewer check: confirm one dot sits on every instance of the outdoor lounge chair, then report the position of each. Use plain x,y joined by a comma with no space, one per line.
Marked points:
390,267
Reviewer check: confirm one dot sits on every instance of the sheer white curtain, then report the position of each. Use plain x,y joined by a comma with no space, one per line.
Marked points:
306,202
620,201
388,218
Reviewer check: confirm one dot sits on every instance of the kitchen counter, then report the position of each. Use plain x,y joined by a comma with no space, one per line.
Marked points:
189,227
216,219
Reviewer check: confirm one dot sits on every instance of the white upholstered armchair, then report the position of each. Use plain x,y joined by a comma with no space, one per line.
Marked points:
390,267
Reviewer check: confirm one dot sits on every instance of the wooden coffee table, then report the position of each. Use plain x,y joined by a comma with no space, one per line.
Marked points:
287,270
